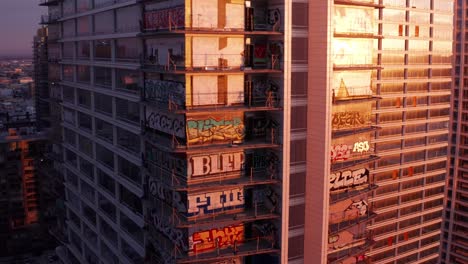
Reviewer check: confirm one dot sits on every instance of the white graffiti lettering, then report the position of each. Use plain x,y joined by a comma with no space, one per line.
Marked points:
201,204
348,178
361,146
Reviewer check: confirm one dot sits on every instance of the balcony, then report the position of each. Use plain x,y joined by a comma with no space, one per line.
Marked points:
368,3
339,256
254,96
49,19
49,2
348,221
175,21
249,247
351,163
224,131
211,63
246,178
226,214
351,192
353,131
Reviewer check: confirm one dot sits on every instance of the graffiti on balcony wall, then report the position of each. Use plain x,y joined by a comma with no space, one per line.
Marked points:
207,203
360,206
159,190
348,178
361,147
265,91
166,18
216,163
340,152
166,227
350,119
346,239
274,16
267,196
229,261
353,146
166,161
165,92
209,240
216,128
168,123
353,20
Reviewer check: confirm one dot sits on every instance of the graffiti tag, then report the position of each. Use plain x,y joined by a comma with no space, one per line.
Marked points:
170,124
340,152
209,240
167,228
349,119
361,146
158,190
163,19
348,178
201,204
216,163
165,160
361,207
163,91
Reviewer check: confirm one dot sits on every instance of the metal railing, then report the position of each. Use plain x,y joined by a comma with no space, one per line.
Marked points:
209,62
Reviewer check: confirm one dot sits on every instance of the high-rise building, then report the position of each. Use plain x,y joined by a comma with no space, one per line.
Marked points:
232,131
379,83
21,231
47,97
455,240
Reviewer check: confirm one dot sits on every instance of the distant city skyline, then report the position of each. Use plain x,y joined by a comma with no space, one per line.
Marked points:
19,21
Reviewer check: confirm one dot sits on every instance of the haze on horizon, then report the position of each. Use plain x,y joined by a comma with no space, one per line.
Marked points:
19,20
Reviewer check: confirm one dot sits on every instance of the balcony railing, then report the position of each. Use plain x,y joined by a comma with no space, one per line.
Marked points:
337,257
49,2
348,221
369,3
248,247
172,143
247,177
210,63
174,20
350,192
270,100
49,19
257,212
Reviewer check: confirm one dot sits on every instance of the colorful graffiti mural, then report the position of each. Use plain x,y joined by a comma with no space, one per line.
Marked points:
168,123
159,190
165,92
348,178
165,18
209,240
220,128
220,201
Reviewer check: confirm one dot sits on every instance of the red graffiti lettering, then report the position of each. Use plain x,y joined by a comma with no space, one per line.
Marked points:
209,240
